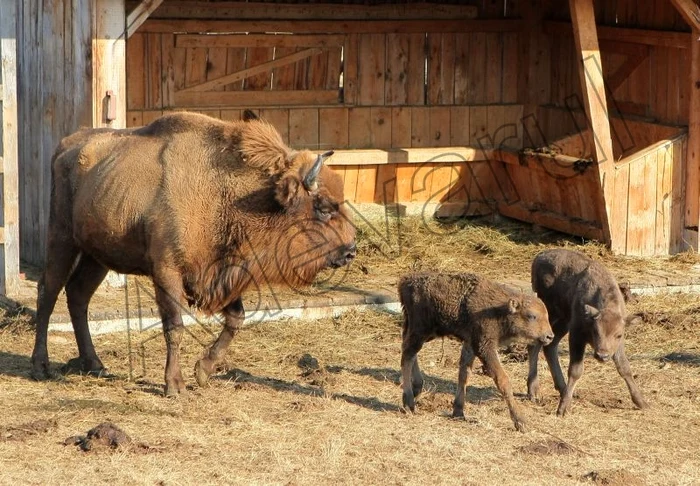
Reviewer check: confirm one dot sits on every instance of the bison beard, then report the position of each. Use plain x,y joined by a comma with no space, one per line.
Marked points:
206,208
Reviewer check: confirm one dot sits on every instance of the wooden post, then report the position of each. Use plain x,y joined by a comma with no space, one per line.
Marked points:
692,180
109,64
595,103
9,200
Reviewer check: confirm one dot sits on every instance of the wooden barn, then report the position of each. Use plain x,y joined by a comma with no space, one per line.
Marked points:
580,116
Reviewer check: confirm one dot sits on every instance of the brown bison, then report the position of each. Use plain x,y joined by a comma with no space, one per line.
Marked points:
482,314
583,299
204,207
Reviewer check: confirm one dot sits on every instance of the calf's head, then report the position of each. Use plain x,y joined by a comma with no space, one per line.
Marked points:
607,330
320,233
528,320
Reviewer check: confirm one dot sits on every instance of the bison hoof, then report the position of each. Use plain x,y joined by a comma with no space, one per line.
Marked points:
89,366
40,370
409,403
641,403
520,426
174,389
417,389
458,413
202,370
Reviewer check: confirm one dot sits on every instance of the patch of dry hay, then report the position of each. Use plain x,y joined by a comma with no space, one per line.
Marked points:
318,402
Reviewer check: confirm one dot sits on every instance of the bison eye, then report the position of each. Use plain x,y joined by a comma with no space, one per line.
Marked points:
619,336
324,214
531,317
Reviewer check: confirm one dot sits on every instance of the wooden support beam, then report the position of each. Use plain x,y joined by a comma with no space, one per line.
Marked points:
690,12
678,40
139,14
109,65
594,101
251,71
9,204
634,58
692,180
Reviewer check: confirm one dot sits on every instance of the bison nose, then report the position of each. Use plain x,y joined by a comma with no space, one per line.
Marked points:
547,338
601,356
351,252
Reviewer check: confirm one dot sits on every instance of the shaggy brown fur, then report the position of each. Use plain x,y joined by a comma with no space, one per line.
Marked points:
584,300
207,208
482,314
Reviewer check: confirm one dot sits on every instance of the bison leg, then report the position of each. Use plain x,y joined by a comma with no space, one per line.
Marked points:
493,364
79,290
551,352
62,254
623,367
533,382
577,346
466,361
169,291
234,315
409,358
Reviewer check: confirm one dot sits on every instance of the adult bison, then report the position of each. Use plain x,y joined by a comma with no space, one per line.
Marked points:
206,208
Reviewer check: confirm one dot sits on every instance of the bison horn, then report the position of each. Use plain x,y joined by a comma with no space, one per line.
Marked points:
312,175
249,115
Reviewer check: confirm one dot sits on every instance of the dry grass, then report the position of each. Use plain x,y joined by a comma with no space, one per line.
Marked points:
270,418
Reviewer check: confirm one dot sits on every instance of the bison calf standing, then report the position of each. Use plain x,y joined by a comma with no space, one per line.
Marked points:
583,299
481,314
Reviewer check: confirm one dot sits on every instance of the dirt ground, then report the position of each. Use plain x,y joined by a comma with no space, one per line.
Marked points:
319,402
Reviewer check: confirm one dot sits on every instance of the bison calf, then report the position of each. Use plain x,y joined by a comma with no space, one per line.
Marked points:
583,299
478,312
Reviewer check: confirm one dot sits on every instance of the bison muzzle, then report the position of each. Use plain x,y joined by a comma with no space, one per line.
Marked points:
204,207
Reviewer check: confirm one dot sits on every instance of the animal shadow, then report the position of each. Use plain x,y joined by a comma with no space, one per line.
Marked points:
240,376
20,366
688,359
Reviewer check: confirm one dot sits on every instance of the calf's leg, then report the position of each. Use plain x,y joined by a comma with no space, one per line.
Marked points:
234,314
533,382
169,292
409,357
623,367
466,361
577,346
551,353
79,290
493,364
62,253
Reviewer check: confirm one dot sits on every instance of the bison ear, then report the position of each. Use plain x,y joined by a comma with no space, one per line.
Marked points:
249,115
513,306
287,192
591,311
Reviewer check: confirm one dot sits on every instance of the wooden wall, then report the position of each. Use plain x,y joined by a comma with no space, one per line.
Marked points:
54,40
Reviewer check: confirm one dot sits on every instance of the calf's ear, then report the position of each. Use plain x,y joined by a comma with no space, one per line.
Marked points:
591,311
513,306
288,192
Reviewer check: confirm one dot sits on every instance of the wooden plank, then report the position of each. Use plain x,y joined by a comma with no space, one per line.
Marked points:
350,69
664,181
414,156
620,212
441,69
462,66
635,225
259,40
262,11
350,183
442,177
216,65
478,127
235,115
513,118
690,12
135,71
550,220
195,67
397,60
337,27
400,127
154,65
278,118
334,68
496,125
476,93
440,129
678,154
257,63
420,127
648,216
692,181
659,94
371,74
9,153
359,128
333,128
109,63
509,89
416,69
494,69
303,128
173,62
139,14
593,88
366,184
256,98
235,61
254,71
421,182
134,119
459,125
677,40
380,128
404,182
673,82
149,115
633,61
385,188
